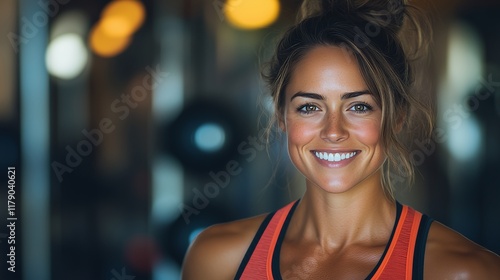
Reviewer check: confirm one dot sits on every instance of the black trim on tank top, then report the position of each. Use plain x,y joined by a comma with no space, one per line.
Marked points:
275,266
399,209
418,256
254,243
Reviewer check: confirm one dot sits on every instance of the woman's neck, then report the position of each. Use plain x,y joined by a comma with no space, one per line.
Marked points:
337,220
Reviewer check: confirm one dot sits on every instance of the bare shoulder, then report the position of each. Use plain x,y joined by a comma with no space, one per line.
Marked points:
450,255
217,251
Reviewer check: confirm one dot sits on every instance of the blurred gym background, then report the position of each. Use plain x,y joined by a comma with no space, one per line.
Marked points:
133,125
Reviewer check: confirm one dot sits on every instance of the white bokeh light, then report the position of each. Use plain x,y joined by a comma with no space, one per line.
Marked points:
66,56
465,142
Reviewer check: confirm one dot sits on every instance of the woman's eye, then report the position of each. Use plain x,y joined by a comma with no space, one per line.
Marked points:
308,108
361,108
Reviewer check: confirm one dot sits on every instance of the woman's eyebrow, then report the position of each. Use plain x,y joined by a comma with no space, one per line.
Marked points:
308,95
344,96
353,94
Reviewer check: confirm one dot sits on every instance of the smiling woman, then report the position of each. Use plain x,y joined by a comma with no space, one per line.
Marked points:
329,111
343,98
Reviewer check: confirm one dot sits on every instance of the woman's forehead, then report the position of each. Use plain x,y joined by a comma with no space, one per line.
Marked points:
326,69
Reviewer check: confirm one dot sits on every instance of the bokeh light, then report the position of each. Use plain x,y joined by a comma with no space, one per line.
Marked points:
122,18
66,56
209,137
113,33
252,14
104,45
465,141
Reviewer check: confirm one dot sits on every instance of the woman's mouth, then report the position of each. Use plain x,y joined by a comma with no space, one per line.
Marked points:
334,157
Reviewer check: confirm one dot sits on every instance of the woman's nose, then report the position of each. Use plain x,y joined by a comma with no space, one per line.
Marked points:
334,129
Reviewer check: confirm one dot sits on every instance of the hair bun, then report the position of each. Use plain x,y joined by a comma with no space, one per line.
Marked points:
388,14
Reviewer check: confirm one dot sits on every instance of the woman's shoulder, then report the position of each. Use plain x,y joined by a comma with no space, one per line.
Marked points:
450,255
217,251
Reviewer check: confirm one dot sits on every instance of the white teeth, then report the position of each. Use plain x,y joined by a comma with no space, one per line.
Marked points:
334,157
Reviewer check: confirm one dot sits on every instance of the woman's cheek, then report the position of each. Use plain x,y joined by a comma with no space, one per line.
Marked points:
368,132
300,132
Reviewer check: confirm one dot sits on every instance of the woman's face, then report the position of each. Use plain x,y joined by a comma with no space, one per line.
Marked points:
332,121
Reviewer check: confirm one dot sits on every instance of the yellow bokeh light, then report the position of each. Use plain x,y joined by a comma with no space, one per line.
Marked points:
116,26
104,45
122,18
251,14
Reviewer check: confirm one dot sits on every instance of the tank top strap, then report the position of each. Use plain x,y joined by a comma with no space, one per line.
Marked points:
257,262
403,252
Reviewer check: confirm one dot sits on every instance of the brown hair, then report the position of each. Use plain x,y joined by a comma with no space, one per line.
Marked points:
370,31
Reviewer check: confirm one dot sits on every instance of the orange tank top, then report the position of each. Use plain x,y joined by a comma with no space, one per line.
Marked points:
403,257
